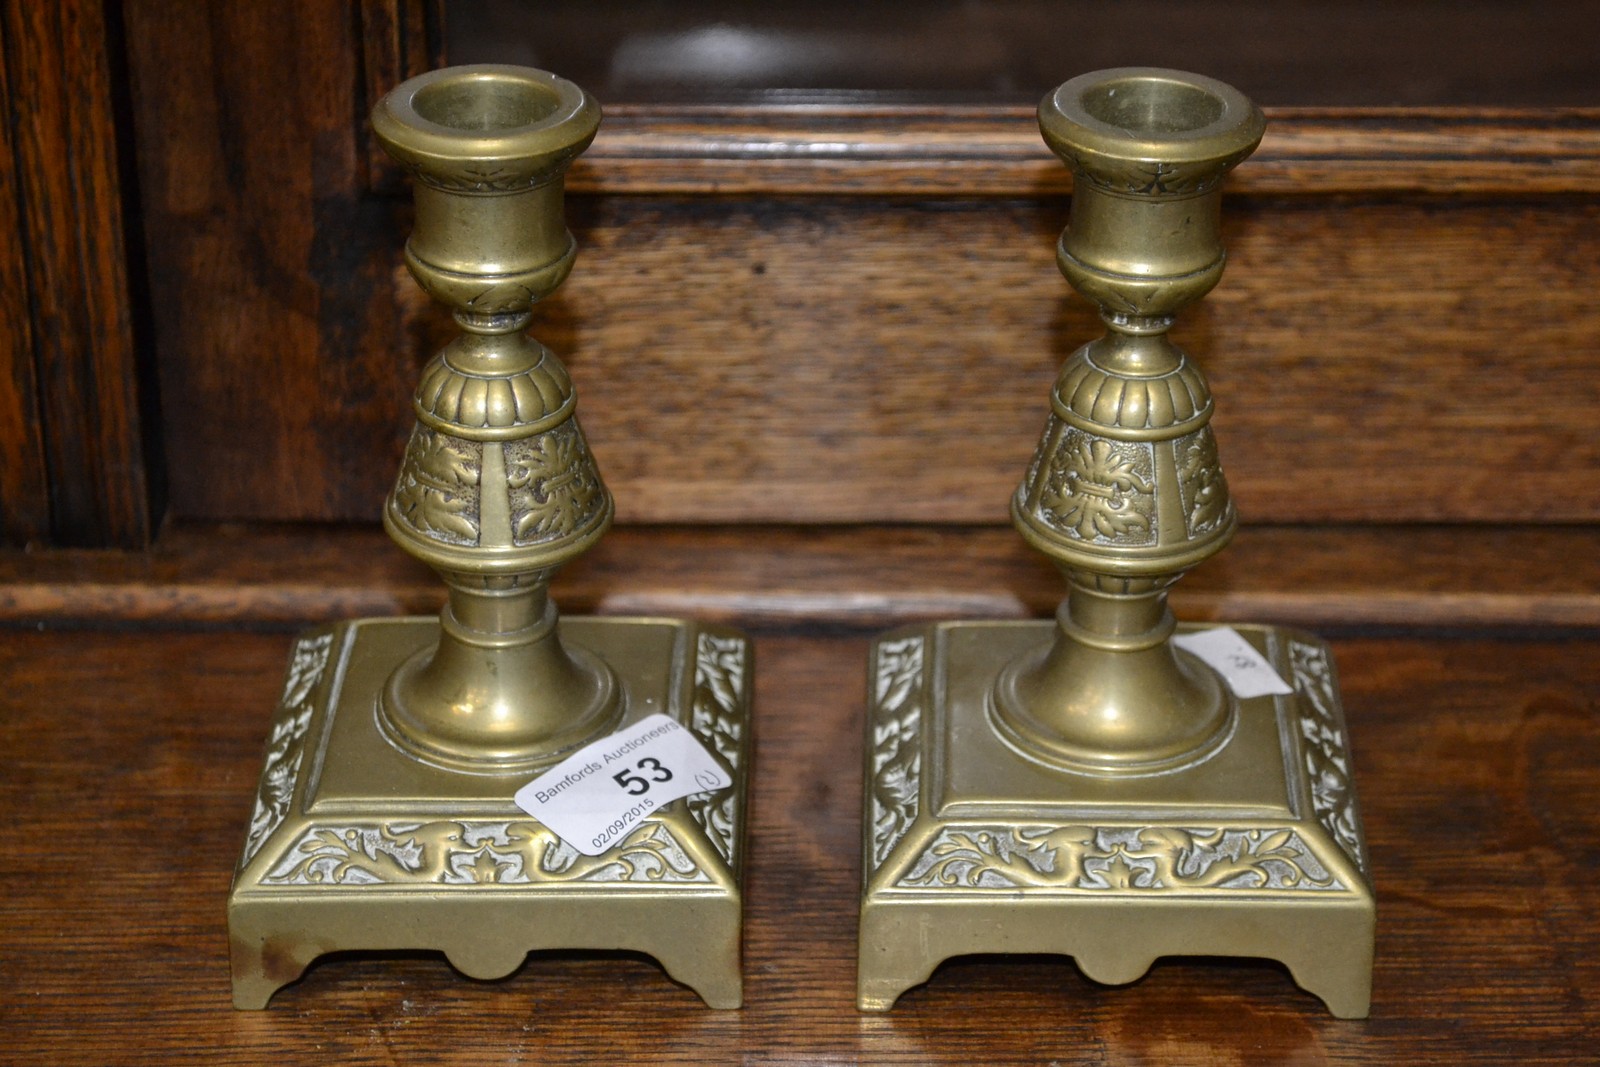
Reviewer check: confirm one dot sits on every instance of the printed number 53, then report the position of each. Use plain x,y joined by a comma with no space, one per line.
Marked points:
638,786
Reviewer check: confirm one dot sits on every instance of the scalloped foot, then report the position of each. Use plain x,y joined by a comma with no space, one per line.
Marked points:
973,848
374,850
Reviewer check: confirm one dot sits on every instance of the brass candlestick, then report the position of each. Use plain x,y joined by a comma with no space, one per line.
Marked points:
1084,786
385,817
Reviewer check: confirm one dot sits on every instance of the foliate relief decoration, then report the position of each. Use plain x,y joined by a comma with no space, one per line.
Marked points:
896,718
1097,489
1119,858
719,681
437,493
1327,759
555,487
286,744
477,177
1153,178
1040,453
1200,481
458,852
502,299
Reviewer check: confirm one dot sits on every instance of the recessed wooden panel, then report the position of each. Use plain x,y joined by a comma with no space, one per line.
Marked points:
72,441
760,336
24,480
868,361
872,360
282,367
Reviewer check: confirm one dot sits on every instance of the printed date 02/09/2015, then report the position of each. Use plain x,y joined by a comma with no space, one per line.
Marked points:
623,822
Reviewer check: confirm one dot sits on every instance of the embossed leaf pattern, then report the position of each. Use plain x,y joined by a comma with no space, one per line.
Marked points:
456,852
1120,858
649,854
475,178
306,664
1205,490
719,678
1152,179
995,858
437,491
1332,799
1041,453
1157,178
554,485
1119,875
1100,489
896,750
486,867
285,747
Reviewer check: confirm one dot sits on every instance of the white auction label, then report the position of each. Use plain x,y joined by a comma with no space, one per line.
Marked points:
1246,671
595,797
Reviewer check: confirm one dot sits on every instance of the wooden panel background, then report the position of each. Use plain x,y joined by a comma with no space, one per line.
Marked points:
24,481
848,360
867,331
887,359
269,259
800,317
863,359
73,442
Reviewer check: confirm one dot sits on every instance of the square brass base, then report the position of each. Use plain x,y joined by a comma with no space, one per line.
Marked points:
971,847
357,845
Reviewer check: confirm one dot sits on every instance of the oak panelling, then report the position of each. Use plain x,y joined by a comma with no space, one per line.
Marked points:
399,38
270,263
854,360
858,150
1532,578
24,479
842,356
865,360
132,764
72,425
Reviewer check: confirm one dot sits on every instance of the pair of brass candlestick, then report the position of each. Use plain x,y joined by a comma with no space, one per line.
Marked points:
1082,786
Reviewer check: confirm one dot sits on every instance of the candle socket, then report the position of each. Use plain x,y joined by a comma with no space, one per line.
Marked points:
384,815
1085,786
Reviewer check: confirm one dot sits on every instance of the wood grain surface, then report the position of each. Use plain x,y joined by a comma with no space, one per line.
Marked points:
761,333
265,253
813,347
855,578
24,479
73,452
132,760
857,360
864,149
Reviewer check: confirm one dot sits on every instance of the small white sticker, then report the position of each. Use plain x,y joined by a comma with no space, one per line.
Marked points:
596,796
1245,670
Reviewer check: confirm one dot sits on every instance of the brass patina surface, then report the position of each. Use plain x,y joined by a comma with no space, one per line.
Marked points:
1084,786
384,817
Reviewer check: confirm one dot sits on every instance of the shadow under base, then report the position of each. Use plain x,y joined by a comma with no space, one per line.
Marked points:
972,847
357,845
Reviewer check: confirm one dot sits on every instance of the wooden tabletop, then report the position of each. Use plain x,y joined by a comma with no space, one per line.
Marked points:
130,763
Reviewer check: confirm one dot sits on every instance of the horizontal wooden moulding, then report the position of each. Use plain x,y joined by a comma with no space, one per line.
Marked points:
996,151
849,577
